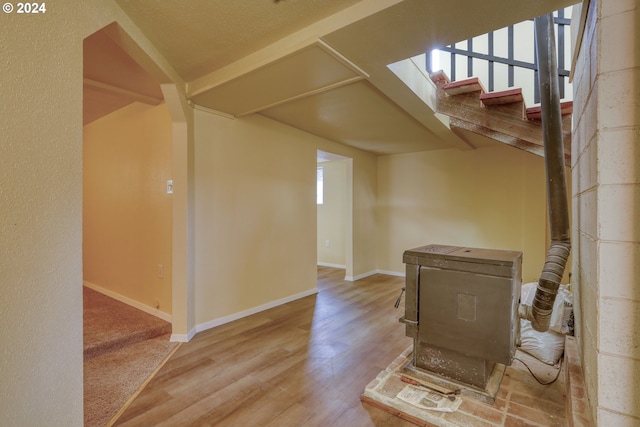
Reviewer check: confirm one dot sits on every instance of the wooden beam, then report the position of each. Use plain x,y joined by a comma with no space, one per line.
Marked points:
514,141
134,96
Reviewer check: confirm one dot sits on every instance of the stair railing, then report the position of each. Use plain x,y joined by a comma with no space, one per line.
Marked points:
487,58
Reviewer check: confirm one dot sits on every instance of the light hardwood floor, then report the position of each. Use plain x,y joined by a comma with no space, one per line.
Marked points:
304,363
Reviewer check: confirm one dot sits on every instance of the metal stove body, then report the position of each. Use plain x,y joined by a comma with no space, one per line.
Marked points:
461,309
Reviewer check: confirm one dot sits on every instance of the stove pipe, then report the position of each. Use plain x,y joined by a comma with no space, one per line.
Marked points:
540,312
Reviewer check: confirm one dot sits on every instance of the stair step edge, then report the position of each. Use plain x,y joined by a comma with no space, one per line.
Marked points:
439,77
463,86
502,97
117,343
535,113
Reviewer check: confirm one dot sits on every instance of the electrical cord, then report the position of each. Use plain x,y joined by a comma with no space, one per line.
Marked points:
534,375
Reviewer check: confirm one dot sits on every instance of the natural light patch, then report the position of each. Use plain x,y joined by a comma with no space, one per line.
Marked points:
435,60
319,186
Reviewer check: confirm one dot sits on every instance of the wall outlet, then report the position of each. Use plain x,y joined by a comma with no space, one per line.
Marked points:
160,271
326,243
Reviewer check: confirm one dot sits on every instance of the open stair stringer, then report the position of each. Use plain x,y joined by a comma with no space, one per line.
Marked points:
501,116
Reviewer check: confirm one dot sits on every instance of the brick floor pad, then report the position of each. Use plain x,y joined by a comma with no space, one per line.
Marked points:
520,402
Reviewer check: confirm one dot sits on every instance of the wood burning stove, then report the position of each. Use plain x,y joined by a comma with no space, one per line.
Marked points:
461,309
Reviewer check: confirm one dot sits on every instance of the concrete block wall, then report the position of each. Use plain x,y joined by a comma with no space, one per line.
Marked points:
606,208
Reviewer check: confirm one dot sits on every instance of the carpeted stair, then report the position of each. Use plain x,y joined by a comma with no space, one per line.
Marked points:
123,346
110,324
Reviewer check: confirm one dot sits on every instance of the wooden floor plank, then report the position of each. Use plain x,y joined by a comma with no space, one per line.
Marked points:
303,363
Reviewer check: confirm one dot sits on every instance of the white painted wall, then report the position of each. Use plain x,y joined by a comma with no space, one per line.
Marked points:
127,221
41,205
41,200
606,202
487,198
332,214
254,214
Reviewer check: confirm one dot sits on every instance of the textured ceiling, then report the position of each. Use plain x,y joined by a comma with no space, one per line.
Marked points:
320,66
214,33
359,116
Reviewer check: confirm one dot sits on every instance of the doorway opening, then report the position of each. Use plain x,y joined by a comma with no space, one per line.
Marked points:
334,211
126,171
127,225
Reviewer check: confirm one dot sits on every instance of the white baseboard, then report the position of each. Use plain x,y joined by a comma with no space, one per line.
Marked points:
363,275
328,264
230,318
202,326
371,273
133,303
183,337
392,273
360,276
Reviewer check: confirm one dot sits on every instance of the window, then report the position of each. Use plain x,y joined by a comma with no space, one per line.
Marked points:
319,186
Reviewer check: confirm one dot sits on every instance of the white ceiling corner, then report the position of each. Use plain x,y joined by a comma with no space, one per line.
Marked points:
311,70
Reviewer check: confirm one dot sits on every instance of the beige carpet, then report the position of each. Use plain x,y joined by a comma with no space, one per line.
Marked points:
123,346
